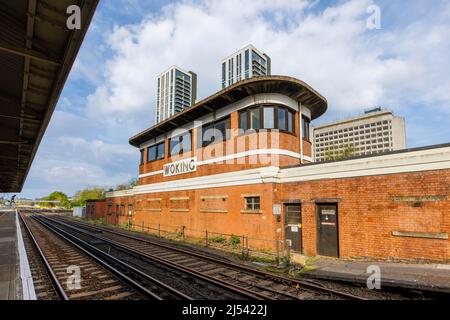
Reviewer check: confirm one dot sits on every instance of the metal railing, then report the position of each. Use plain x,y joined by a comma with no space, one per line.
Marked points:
259,249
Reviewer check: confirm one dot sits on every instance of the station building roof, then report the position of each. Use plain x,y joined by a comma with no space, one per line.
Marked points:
37,51
291,87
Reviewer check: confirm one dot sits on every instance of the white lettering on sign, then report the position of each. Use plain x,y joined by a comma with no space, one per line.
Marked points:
328,212
294,228
180,167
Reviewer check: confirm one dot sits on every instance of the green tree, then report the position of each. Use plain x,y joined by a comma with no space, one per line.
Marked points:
125,186
80,197
56,196
335,152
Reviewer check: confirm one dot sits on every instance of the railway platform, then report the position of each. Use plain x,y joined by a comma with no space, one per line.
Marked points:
9,260
431,276
16,281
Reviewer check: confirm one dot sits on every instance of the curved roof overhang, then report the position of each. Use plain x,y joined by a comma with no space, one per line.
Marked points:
37,51
291,87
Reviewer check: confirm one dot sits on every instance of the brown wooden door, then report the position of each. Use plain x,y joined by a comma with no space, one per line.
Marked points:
327,230
293,226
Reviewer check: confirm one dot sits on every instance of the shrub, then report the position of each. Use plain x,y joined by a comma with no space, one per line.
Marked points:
127,225
235,240
218,239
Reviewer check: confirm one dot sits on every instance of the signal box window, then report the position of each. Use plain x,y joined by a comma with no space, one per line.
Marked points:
155,152
142,156
267,117
215,132
252,203
181,144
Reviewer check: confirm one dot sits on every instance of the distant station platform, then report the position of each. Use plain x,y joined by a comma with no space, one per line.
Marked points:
16,282
9,260
435,277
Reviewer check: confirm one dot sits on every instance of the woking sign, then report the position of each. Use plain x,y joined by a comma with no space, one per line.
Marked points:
180,167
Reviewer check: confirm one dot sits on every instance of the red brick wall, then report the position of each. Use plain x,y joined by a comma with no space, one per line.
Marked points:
112,209
95,209
370,208
216,210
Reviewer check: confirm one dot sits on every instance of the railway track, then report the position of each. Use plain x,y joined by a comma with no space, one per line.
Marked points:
166,281
264,284
193,283
100,278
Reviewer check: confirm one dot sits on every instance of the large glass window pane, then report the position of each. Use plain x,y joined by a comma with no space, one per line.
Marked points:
243,121
175,146
246,64
306,128
151,153
160,151
219,131
227,133
207,134
269,118
214,132
223,72
282,118
186,142
290,121
254,118
142,156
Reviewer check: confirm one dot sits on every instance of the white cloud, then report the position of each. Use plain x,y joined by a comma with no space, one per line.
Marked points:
400,67
332,50
69,176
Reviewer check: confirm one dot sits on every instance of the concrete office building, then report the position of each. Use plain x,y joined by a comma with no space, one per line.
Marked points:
244,64
374,132
177,90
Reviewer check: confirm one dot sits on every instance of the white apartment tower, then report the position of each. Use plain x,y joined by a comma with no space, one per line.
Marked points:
177,90
376,131
244,64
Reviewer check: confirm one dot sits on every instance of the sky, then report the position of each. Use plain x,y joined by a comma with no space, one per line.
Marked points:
110,94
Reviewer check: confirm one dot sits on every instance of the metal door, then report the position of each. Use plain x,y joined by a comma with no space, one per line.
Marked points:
327,232
293,226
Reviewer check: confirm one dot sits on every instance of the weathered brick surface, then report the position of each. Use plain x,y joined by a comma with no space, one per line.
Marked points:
369,208
95,209
368,212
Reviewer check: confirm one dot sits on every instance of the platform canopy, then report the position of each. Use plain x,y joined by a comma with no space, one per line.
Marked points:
291,87
37,51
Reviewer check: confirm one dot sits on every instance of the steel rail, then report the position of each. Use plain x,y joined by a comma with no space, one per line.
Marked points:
226,263
56,284
65,235
190,271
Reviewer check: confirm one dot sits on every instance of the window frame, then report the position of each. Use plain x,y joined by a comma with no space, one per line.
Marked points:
142,151
156,146
247,112
252,205
181,149
306,133
202,143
